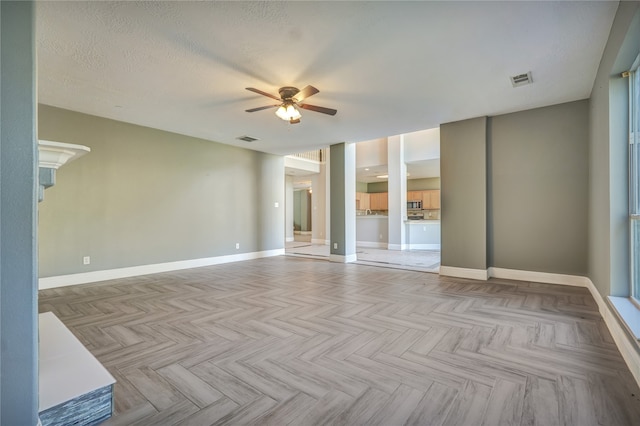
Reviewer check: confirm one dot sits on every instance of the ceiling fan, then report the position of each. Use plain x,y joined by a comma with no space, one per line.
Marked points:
290,98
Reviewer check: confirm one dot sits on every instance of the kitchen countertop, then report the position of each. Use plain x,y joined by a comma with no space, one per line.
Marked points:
423,221
372,216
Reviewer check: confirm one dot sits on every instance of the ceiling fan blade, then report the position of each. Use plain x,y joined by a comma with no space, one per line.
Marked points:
261,108
260,92
305,93
323,110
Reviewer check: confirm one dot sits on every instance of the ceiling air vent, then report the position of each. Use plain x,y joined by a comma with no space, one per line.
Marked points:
521,79
246,138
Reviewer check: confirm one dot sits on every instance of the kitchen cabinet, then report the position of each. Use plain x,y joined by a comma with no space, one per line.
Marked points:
363,201
431,199
379,201
414,195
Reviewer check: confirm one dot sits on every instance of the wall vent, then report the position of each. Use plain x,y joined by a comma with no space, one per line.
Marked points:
247,138
521,79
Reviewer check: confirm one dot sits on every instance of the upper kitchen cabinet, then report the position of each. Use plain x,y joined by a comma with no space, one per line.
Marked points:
414,195
363,201
431,199
379,201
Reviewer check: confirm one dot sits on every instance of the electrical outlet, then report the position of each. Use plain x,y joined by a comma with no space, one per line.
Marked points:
237,246
86,260
380,236
335,246
276,204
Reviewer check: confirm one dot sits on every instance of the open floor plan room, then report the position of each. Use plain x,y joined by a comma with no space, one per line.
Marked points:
286,340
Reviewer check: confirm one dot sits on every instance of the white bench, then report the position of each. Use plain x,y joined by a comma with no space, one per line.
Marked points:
74,387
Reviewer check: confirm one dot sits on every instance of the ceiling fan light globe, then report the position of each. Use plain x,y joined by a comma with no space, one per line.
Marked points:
293,113
281,112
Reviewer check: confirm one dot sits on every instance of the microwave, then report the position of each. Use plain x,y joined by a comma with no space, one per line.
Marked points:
414,205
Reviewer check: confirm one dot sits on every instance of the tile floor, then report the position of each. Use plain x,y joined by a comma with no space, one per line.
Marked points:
414,260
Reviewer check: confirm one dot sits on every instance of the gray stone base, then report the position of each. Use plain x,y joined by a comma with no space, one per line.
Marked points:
89,409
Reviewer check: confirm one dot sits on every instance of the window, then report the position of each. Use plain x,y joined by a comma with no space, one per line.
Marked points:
634,179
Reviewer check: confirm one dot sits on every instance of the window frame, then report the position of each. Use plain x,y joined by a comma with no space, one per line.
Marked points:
634,182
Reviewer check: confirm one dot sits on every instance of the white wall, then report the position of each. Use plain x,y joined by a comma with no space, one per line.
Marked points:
422,145
371,153
418,146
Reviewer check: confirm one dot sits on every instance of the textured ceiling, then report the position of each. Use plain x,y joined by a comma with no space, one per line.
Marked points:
387,67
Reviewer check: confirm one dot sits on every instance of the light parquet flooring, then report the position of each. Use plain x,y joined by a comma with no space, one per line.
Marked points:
287,340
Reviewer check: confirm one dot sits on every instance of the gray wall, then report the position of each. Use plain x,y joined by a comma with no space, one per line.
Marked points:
342,193
297,211
375,187
145,196
318,203
18,236
338,202
412,185
515,193
423,184
538,194
463,179
302,210
608,255
289,207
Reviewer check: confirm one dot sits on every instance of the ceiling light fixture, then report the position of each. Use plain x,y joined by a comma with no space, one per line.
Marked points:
383,177
288,112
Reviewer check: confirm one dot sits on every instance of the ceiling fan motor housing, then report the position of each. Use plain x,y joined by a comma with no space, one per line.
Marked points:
288,92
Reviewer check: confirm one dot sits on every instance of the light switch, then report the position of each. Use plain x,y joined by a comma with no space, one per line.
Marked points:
276,204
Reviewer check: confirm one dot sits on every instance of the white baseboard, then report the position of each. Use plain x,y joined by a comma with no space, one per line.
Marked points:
290,239
396,246
423,246
619,334
132,271
539,277
338,258
319,241
474,274
370,244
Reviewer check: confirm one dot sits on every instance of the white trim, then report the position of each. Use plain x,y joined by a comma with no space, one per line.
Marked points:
620,336
628,312
290,239
396,247
423,246
132,271
474,274
53,155
338,258
539,277
319,241
370,244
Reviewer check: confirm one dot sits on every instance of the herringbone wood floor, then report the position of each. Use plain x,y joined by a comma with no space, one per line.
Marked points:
297,341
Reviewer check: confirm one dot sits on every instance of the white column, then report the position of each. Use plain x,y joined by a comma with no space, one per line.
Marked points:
397,191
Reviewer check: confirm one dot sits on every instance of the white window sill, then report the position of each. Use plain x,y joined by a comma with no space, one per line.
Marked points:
629,312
